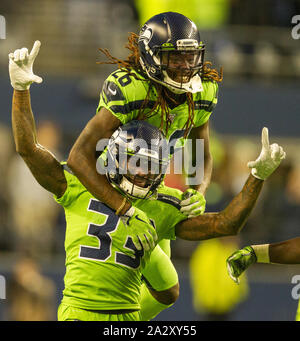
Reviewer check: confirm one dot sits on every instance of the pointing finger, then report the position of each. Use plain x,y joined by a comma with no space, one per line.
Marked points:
265,138
35,50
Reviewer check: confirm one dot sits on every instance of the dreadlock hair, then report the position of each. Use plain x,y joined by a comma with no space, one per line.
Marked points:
163,96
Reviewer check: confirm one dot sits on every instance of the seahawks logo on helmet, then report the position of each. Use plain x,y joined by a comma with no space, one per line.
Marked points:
145,34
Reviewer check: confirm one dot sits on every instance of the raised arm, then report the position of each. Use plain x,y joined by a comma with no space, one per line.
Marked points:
42,163
82,159
231,220
194,202
202,133
227,222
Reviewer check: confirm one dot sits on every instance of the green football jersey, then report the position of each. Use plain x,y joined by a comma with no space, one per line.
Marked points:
103,267
123,95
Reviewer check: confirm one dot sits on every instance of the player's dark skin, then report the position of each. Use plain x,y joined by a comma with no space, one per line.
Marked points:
285,252
48,172
82,158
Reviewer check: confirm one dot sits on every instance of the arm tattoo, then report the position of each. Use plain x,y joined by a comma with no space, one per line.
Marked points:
42,163
227,222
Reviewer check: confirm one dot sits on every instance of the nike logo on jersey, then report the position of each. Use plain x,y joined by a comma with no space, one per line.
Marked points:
113,92
137,217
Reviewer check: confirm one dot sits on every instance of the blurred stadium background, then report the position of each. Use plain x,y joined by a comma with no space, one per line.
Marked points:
252,41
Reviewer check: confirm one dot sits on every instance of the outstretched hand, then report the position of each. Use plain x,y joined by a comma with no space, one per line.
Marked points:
269,158
20,67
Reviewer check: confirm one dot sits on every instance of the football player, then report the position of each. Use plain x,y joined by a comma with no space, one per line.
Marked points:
166,82
104,259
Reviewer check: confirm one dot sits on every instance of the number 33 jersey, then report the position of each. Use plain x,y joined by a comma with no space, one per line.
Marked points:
103,267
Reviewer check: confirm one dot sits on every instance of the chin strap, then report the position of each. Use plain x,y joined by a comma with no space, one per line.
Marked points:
193,86
132,189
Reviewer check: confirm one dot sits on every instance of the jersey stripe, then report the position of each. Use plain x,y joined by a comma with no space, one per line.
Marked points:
129,107
168,199
205,105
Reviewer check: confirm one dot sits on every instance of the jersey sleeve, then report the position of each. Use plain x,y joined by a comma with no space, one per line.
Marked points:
74,189
169,202
174,219
119,95
205,103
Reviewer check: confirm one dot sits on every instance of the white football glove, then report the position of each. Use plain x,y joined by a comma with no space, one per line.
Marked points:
269,158
20,67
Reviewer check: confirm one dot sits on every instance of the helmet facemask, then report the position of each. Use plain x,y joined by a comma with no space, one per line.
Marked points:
181,68
142,176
